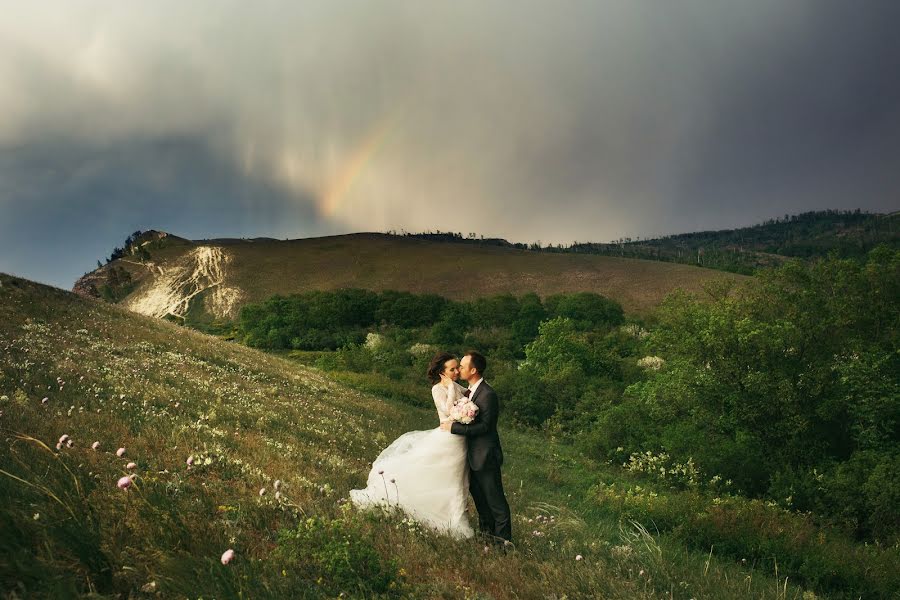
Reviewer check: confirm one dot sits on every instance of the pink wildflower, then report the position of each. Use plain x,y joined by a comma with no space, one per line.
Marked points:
95,446
190,460
64,438
227,556
131,465
120,452
124,483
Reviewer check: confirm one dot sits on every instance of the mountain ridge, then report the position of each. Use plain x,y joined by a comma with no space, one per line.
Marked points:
174,277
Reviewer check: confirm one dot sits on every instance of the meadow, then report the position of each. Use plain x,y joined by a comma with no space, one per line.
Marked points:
175,447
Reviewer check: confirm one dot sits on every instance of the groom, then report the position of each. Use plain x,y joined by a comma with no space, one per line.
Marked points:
484,452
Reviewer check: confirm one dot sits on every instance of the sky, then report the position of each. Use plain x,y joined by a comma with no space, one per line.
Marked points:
532,121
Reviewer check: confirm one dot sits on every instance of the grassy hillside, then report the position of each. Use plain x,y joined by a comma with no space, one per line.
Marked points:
219,276
247,418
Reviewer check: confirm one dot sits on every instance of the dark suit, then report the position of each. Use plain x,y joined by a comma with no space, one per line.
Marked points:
485,457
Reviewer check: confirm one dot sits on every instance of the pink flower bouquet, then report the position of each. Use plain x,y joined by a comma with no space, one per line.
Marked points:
463,411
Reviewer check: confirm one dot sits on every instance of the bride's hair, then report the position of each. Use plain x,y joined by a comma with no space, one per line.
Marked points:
437,366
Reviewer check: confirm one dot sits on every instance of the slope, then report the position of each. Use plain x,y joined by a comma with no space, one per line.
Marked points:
224,274
167,396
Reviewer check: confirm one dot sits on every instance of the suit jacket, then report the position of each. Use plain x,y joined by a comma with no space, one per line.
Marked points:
482,440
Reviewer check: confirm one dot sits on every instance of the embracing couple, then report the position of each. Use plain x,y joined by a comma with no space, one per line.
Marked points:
427,473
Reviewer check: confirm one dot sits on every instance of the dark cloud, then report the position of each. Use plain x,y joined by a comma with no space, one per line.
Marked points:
67,205
527,120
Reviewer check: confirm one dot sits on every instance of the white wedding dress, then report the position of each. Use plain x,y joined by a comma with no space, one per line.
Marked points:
424,473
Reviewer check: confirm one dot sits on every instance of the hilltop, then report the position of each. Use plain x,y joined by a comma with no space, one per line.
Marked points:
172,276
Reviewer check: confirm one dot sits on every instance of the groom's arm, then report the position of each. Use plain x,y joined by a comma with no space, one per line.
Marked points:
485,417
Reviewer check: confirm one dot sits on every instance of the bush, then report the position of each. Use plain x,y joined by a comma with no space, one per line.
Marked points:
586,310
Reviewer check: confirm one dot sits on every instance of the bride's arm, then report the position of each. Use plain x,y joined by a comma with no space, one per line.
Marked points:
454,393
439,394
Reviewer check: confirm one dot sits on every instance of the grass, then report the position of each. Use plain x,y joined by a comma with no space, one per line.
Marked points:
373,261
247,418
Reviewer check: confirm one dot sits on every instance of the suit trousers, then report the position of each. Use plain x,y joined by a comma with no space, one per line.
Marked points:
486,487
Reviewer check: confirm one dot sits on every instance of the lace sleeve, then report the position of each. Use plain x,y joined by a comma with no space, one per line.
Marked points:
456,392
439,394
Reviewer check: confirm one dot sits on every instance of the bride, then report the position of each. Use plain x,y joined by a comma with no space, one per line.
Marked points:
424,473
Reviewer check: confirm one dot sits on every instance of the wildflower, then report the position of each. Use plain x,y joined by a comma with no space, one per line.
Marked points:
64,438
124,483
579,557
95,446
486,550
227,556
131,465
641,573
277,484
278,495
45,400
190,460
36,516
262,491
58,446
70,443
120,452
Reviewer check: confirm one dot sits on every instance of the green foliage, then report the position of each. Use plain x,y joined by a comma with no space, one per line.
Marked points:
800,372
404,309
760,534
567,372
118,284
335,555
810,235
586,310
501,325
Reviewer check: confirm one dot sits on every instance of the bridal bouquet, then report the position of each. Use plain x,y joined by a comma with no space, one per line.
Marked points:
463,411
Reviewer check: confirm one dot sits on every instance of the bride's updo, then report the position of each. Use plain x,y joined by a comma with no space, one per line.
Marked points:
437,366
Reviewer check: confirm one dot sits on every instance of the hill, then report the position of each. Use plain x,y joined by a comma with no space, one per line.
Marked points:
172,276
849,234
81,371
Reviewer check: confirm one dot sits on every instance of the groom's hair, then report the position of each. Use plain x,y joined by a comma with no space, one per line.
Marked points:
477,360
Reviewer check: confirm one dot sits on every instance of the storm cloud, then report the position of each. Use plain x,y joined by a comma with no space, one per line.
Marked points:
526,120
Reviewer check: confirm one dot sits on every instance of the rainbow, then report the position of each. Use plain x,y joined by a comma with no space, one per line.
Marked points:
336,191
